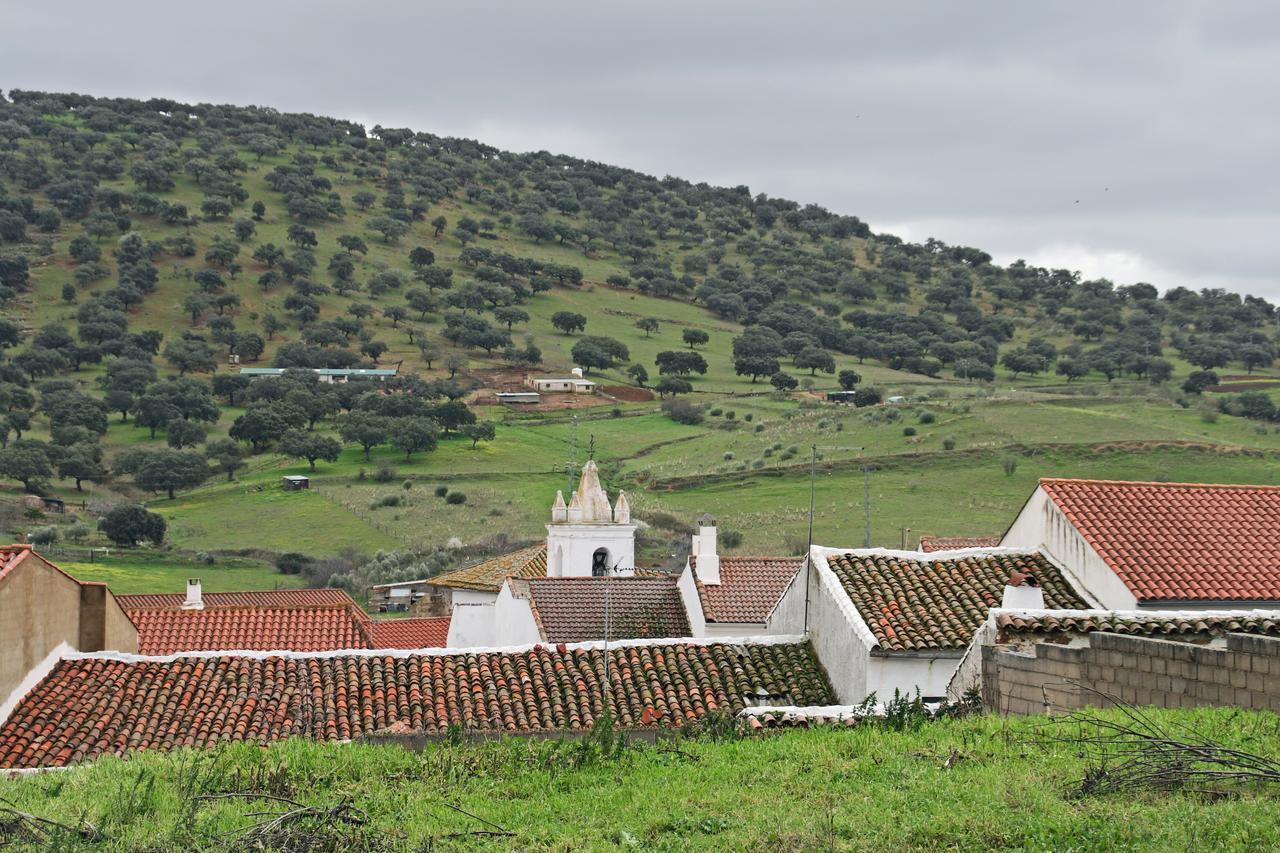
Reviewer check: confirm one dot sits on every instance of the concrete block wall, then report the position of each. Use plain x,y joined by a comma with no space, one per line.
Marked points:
1137,670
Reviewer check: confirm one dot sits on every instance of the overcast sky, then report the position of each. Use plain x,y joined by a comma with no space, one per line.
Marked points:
1134,140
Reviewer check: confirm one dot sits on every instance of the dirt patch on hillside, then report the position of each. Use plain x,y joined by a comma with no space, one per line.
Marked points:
548,403
627,394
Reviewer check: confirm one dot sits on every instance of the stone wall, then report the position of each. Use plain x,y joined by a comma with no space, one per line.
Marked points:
1138,670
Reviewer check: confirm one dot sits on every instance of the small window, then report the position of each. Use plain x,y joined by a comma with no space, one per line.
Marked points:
600,563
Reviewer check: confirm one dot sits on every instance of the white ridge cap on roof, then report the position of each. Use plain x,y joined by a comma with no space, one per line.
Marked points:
924,556
1135,615
761,640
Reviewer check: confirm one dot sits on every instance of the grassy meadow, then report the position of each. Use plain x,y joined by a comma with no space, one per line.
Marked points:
981,783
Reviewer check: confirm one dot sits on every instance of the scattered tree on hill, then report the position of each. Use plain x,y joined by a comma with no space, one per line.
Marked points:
680,363
1199,380
80,462
225,455
169,470
638,374
815,359
310,446
180,433
478,432
848,379
672,385
569,322
130,524
190,356
694,337
413,435
594,351
26,461
365,429
648,325
783,381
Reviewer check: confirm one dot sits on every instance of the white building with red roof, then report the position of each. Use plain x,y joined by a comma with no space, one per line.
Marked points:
1137,545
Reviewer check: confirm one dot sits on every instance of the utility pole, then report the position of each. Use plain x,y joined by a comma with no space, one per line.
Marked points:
813,469
607,615
866,507
573,454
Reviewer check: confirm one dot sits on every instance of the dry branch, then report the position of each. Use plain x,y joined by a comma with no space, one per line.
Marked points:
1135,753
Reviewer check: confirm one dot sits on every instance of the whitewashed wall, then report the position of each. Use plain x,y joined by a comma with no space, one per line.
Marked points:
906,673
693,603
1042,527
839,637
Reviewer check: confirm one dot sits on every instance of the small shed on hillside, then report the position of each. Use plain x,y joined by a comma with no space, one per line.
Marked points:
295,482
518,397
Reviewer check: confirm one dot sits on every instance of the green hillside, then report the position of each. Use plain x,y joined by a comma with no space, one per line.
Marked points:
144,245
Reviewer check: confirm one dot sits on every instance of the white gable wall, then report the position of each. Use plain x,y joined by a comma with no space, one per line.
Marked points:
1041,526
840,638
513,622
693,603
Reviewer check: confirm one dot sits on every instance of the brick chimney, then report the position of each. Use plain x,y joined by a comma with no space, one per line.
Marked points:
195,601
704,549
1022,592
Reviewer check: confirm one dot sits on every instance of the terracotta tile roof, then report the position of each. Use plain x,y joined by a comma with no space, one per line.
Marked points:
257,598
912,605
90,706
11,556
953,543
1180,541
167,630
426,633
1181,625
749,587
489,575
571,610
299,620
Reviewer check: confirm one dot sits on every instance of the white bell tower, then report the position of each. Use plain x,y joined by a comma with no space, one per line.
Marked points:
587,536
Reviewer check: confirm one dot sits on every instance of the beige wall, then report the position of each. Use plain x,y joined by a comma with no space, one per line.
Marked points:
41,608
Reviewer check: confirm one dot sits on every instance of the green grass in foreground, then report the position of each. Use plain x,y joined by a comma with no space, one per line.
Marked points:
858,789
128,572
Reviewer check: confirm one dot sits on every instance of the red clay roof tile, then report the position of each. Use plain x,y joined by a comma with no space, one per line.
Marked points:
424,633
1180,541
749,587
913,605
163,631
571,610
92,706
954,543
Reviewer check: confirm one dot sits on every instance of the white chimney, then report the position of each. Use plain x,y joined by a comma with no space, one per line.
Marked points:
194,600
1025,595
704,548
